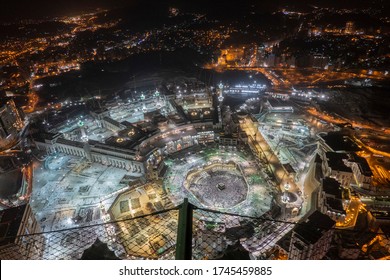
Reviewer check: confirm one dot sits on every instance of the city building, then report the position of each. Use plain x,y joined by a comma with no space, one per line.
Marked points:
125,134
348,168
92,150
336,166
231,56
270,60
139,124
361,171
311,239
228,141
332,199
341,161
276,105
320,61
18,227
244,89
14,181
349,27
336,142
11,123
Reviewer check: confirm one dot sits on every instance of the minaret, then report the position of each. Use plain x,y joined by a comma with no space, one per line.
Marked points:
84,136
220,100
220,92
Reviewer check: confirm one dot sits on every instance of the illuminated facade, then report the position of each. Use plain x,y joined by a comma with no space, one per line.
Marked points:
11,123
349,27
331,199
231,56
277,106
341,162
93,151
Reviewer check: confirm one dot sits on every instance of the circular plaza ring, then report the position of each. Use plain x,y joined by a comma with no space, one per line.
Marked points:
219,185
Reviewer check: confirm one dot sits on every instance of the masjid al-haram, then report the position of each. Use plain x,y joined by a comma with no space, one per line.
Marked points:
219,179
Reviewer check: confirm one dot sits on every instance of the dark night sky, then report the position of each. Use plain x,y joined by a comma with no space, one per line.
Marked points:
43,8
11,10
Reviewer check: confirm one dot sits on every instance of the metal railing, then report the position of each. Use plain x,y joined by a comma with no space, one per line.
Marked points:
182,232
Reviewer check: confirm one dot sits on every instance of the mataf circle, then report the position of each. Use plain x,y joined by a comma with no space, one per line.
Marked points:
219,185
223,179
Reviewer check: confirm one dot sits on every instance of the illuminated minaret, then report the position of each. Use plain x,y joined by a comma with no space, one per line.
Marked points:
220,100
285,198
84,136
220,92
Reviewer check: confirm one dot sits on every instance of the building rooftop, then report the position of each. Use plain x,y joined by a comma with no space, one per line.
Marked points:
335,204
113,122
176,119
42,136
106,149
11,176
314,228
363,165
339,142
76,144
10,220
284,242
276,102
335,161
127,138
332,187
10,183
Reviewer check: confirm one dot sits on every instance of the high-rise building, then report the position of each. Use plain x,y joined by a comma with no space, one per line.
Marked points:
332,199
311,239
320,61
18,238
11,123
349,27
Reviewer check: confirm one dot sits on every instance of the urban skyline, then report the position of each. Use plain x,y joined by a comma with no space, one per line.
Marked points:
265,125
